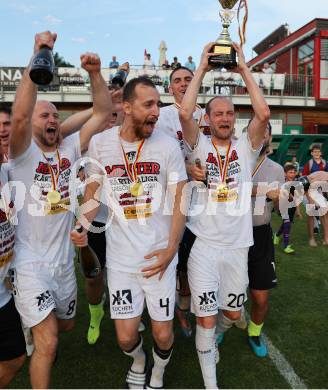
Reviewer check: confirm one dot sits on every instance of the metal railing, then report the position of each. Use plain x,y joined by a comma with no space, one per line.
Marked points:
75,80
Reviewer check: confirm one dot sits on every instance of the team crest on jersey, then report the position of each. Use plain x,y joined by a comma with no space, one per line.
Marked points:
140,206
43,167
228,191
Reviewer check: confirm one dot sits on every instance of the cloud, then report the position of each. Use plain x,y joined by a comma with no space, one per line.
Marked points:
78,39
50,19
22,7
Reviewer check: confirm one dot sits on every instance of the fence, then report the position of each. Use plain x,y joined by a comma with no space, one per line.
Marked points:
75,80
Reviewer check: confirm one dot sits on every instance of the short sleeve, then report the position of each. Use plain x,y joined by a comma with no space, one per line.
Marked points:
199,150
23,158
93,165
176,168
245,144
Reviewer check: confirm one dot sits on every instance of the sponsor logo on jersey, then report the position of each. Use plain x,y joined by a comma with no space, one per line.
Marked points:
207,301
122,302
44,300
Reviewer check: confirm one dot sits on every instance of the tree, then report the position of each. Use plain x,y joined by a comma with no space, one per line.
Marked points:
60,61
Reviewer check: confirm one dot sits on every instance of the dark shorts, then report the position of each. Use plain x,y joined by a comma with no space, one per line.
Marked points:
186,244
291,213
12,341
97,242
261,263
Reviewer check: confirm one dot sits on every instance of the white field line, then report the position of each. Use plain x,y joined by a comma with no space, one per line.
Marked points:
281,363
283,366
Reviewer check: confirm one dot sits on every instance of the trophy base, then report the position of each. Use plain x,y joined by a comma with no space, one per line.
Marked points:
225,56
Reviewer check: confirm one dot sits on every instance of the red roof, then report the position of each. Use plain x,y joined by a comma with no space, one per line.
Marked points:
286,42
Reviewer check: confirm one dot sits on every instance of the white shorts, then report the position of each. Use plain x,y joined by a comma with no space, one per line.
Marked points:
39,289
128,292
218,278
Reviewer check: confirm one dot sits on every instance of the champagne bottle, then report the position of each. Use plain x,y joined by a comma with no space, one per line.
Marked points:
305,182
42,67
199,165
89,262
119,78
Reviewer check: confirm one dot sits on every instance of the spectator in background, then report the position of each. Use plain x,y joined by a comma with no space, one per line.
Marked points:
288,217
148,62
315,164
190,64
256,69
296,165
267,68
114,64
175,64
166,65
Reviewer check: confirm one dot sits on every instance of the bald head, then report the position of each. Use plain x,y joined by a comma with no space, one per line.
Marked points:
220,115
45,123
44,105
218,100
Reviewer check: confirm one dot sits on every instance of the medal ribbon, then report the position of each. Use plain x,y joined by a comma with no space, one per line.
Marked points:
54,176
177,105
242,30
223,167
258,166
131,169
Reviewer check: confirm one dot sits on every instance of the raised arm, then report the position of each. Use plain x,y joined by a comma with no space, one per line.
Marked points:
26,94
189,126
102,102
74,122
256,128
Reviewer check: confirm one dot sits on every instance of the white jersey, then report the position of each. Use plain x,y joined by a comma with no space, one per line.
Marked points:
268,172
139,224
169,122
221,214
42,234
7,235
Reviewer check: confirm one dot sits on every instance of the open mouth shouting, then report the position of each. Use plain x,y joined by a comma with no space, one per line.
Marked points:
51,130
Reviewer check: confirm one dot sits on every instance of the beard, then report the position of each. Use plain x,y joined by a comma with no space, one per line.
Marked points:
140,134
219,134
49,143
138,128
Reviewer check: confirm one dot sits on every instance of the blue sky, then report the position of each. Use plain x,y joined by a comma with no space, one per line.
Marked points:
126,28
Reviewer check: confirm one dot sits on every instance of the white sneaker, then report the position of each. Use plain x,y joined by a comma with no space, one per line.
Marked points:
312,242
28,341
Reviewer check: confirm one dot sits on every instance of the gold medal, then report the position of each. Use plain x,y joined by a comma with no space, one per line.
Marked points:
136,189
53,197
222,190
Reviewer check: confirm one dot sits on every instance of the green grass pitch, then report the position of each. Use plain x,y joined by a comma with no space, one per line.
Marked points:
296,325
